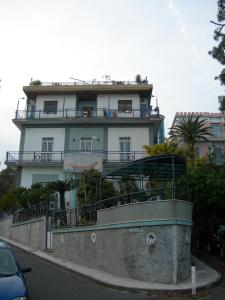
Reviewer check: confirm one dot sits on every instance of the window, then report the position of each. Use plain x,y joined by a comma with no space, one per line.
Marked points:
216,130
125,143
86,144
218,155
47,148
50,107
125,106
197,152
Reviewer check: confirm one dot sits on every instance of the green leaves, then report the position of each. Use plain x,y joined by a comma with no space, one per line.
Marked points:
218,52
89,188
189,129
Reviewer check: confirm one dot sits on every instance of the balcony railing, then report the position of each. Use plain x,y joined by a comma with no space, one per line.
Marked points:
77,113
40,157
34,156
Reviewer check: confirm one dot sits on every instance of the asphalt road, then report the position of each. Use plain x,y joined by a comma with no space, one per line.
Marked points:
49,282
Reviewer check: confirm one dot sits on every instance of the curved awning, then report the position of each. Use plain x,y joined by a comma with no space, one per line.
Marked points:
161,167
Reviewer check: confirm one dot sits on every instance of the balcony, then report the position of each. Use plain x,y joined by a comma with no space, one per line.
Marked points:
82,114
35,158
57,158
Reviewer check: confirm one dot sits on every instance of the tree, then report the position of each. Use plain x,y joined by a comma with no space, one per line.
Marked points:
89,188
61,186
7,180
206,192
127,184
189,129
218,52
168,147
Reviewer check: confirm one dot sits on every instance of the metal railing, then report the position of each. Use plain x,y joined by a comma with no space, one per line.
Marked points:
35,156
87,214
39,157
84,114
32,212
93,82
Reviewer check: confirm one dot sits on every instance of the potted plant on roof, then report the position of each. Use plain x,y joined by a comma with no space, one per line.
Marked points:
35,82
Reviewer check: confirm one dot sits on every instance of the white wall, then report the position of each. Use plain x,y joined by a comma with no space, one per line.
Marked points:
33,138
139,137
64,101
26,176
111,102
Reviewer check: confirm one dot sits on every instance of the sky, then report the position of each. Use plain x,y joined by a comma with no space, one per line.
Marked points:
52,40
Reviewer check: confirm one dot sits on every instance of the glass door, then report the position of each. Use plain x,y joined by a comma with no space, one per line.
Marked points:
47,148
125,143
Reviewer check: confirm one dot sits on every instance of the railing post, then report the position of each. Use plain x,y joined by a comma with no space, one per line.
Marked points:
39,114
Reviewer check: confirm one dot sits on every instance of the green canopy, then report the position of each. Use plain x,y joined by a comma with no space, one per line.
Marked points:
162,167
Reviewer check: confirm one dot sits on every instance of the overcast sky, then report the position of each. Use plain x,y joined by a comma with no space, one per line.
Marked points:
52,40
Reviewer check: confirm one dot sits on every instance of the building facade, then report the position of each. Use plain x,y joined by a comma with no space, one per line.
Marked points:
216,144
70,127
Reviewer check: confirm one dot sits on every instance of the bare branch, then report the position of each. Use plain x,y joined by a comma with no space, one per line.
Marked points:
221,25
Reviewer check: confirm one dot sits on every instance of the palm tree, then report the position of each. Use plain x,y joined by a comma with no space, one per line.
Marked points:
189,129
61,186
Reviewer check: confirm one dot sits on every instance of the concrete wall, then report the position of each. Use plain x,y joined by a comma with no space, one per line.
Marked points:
76,133
27,174
110,101
33,138
31,233
124,246
64,101
124,250
151,243
142,211
5,226
139,137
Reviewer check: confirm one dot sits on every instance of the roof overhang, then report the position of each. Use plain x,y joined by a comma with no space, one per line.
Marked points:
145,90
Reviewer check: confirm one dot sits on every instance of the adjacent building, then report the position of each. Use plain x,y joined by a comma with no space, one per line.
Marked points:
216,144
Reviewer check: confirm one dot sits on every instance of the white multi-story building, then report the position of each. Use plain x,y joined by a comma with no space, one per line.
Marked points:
69,127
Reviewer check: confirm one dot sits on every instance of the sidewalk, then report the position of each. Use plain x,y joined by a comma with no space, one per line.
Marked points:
205,275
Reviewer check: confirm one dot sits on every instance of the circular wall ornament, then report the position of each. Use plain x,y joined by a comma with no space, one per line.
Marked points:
93,237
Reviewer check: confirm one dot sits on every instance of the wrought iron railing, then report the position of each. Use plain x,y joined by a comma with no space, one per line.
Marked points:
34,156
38,157
32,212
84,114
87,214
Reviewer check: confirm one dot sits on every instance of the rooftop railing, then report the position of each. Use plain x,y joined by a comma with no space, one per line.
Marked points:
79,114
91,82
